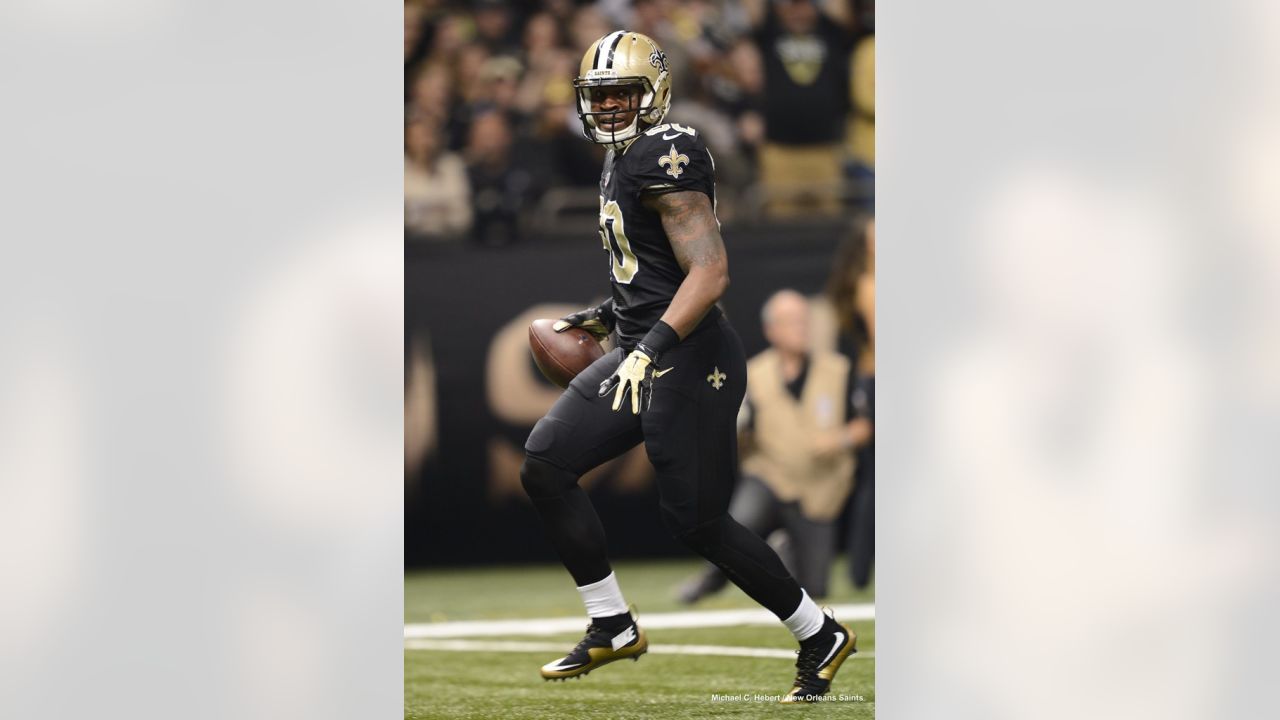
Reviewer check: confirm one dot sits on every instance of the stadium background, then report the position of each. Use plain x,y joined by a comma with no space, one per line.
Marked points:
500,216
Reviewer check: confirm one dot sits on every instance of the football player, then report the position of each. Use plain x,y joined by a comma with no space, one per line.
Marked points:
675,380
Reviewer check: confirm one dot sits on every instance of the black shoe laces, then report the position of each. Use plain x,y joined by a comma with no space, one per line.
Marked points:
593,630
807,664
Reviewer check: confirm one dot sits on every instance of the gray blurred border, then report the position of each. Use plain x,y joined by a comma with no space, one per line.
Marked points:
200,387
1078,356
200,303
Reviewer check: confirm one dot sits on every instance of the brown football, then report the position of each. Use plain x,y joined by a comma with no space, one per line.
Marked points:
561,356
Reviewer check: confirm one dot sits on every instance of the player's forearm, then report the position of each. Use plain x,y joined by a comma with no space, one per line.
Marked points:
703,286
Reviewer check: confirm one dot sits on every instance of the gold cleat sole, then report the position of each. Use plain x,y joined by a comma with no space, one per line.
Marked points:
601,657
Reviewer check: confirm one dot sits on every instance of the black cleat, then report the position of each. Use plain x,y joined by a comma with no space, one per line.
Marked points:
599,647
820,658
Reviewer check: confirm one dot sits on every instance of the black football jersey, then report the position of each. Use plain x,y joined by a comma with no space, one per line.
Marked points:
642,267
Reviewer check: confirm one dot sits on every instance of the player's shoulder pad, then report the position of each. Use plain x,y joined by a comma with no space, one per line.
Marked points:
682,136
670,155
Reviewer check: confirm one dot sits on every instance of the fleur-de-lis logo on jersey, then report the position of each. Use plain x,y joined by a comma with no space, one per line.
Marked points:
716,378
673,160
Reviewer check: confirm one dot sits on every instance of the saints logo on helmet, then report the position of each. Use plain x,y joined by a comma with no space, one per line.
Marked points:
629,60
658,59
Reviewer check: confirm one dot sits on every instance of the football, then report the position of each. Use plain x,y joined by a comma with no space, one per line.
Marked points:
561,356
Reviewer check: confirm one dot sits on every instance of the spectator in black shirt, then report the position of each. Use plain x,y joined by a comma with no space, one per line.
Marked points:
497,189
496,28
806,64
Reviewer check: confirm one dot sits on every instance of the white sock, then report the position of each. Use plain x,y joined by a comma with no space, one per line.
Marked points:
603,598
807,620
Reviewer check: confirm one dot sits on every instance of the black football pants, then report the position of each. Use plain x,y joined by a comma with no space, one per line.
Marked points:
690,435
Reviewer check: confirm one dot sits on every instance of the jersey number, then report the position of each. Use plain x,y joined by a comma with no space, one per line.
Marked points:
614,237
670,126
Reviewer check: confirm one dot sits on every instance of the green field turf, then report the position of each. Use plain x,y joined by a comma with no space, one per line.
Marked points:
486,685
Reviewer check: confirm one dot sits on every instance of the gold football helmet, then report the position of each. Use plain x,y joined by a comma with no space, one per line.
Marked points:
623,58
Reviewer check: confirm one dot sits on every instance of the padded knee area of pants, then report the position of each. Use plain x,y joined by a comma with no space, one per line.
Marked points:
542,479
542,436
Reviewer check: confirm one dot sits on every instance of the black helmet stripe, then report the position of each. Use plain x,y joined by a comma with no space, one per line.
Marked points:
614,46
601,58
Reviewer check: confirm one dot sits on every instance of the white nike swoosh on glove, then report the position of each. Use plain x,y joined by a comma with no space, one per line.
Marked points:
670,137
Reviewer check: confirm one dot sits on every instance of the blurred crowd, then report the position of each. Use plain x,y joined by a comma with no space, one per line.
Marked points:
782,91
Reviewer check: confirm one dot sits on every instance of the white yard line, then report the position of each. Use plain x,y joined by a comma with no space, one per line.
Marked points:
543,647
652,621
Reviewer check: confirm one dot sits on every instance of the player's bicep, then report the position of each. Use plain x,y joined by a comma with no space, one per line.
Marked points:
690,224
